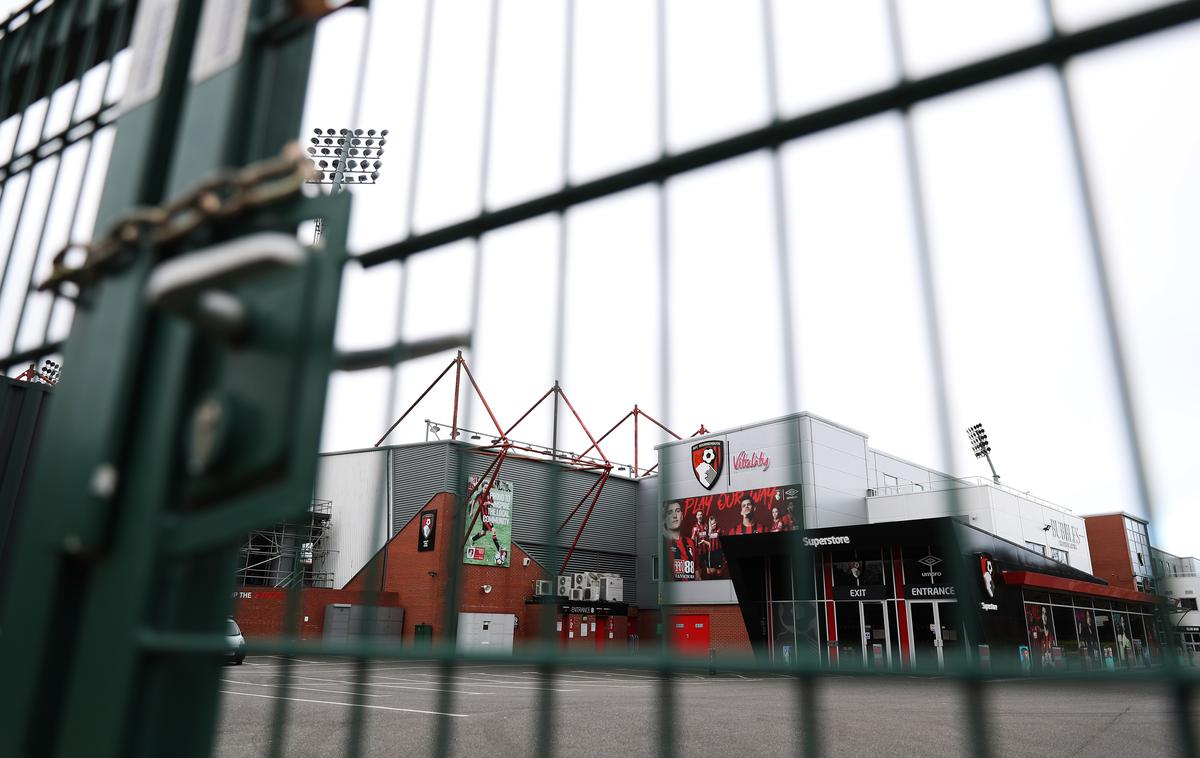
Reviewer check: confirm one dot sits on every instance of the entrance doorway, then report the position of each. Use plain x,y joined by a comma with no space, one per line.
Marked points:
862,634
689,634
935,632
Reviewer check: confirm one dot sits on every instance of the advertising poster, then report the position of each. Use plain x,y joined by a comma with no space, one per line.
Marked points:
1041,634
693,526
489,538
1085,632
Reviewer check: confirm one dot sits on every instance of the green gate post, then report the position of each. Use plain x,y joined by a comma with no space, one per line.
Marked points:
171,441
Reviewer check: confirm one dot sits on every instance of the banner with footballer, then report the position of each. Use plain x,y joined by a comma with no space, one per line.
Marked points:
489,538
693,527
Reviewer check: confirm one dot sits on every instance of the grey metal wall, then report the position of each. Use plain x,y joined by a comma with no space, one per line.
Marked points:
608,544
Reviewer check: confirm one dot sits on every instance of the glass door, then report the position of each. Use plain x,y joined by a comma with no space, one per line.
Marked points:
878,650
949,631
926,643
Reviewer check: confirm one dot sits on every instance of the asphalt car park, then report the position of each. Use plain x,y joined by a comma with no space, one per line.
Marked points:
492,710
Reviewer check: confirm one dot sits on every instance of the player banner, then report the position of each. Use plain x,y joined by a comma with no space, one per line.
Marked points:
693,526
489,538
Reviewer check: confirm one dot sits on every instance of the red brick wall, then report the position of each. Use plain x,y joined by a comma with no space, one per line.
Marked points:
1110,550
420,580
260,611
727,629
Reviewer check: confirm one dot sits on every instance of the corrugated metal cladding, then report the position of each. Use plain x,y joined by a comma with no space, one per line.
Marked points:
22,408
608,544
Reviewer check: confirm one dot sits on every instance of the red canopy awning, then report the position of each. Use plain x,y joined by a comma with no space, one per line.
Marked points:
1059,584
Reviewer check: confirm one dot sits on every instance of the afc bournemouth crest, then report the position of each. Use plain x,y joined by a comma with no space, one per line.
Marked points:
708,458
987,575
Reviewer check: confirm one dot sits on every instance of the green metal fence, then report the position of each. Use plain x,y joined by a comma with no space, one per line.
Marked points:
201,345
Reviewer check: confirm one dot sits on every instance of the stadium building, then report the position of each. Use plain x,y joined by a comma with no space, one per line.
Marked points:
701,552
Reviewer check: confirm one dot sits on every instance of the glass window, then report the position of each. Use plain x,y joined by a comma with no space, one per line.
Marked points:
1065,632
846,568
858,568
1036,547
1033,596
1040,628
1189,603
1060,555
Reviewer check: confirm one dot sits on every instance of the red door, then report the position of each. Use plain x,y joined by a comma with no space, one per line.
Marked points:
689,634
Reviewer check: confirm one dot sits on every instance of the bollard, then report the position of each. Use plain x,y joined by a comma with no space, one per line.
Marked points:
985,658
712,662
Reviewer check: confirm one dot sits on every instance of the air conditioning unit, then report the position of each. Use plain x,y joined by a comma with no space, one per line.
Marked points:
577,594
578,580
543,587
612,589
564,586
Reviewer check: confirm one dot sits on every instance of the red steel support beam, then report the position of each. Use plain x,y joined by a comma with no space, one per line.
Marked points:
603,478
532,408
418,400
483,399
457,380
583,499
582,425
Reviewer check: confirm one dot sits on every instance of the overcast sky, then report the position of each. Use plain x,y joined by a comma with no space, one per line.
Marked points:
1021,321
1015,287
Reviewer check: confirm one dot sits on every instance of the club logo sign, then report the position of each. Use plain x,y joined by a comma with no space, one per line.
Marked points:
427,533
987,578
708,458
986,574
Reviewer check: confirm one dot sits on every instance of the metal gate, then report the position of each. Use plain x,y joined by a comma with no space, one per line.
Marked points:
200,346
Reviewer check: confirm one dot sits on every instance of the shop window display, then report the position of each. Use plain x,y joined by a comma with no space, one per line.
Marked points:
1040,628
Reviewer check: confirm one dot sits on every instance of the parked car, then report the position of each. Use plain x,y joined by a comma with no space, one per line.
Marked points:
235,643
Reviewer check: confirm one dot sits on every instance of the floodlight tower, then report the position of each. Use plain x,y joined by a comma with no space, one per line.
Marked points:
347,156
981,448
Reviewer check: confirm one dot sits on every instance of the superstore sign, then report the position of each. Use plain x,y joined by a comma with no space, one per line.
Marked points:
823,541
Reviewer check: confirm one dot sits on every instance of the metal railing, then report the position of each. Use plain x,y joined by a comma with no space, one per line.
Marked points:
943,485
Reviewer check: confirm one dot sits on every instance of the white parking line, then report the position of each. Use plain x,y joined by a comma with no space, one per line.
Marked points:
310,689
393,686
347,705
476,683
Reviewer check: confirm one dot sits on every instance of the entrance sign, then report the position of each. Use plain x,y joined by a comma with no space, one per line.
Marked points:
926,592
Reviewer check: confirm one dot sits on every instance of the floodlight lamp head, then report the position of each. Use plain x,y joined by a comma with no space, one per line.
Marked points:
486,589
384,132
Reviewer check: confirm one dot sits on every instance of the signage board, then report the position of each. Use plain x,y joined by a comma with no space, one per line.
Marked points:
929,592
879,592
426,530
488,523
693,526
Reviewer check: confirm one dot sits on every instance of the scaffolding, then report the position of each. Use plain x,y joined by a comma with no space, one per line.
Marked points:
290,553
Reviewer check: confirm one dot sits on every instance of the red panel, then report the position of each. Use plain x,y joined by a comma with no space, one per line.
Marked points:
901,606
830,614
1059,584
690,635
